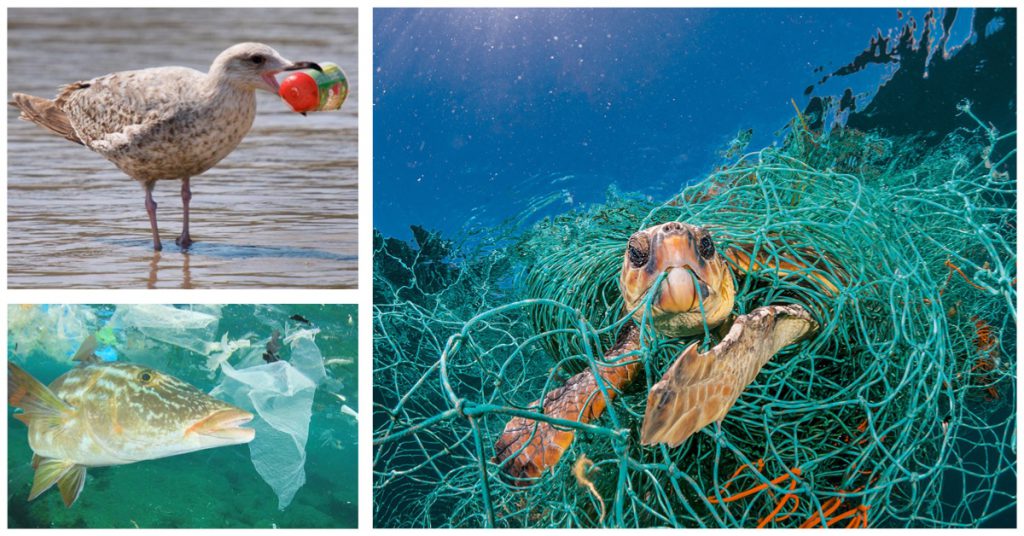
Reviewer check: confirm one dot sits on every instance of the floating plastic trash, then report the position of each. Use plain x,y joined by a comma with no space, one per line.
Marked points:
54,331
225,349
310,90
281,395
191,329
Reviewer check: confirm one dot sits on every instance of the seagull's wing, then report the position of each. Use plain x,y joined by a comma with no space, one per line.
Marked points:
113,112
699,389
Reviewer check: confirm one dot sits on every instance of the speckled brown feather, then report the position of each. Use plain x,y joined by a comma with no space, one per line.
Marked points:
699,389
159,123
47,113
163,122
578,400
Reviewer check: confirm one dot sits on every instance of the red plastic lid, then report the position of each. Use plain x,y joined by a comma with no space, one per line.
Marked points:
300,92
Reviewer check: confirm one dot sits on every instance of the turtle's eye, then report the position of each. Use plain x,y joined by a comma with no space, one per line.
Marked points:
706,247
639,250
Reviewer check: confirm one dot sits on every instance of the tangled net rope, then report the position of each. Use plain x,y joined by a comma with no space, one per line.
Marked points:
899,412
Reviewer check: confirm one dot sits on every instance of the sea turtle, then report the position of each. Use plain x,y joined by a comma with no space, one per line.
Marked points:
699,288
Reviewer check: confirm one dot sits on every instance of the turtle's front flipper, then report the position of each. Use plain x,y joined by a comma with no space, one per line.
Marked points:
699,389
578,400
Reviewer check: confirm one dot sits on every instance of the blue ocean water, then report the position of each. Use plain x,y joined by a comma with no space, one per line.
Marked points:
213,488
480,113
486,116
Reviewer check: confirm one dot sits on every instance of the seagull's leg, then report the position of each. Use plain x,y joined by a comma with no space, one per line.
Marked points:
186,195
151,210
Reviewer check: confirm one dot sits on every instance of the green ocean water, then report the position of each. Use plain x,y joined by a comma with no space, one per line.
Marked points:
214,488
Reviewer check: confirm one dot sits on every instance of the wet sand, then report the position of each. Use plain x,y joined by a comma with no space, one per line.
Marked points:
280,211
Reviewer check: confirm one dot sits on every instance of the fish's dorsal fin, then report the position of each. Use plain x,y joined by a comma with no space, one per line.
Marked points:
85,354
34,398
71,484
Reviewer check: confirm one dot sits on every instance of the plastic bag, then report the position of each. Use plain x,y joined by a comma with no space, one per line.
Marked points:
55,331
192,329
280,394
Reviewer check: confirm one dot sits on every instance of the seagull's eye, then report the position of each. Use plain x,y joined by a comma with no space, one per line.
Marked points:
258,59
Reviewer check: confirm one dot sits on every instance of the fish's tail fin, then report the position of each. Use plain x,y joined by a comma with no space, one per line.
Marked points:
34,398
45,113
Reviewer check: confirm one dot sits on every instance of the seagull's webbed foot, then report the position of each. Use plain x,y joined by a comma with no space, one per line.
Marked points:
183,241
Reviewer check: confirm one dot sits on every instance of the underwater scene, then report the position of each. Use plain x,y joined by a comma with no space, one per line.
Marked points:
200,416
695,268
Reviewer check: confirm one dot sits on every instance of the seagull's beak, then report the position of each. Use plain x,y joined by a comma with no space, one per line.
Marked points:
303,65
271,82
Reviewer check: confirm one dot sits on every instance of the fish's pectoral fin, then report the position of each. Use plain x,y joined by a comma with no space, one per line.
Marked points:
48,472
699,389
71,484
34,398
35,460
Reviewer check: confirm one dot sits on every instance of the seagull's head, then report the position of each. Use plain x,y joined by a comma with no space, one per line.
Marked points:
253,66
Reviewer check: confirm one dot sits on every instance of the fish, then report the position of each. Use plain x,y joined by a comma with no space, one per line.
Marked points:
118,413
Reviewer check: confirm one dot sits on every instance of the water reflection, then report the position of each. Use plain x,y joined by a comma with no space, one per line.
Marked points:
154,267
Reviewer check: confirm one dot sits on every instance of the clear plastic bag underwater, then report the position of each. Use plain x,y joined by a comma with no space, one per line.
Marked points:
281,395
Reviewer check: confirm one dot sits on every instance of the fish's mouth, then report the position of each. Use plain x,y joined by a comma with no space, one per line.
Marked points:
225,424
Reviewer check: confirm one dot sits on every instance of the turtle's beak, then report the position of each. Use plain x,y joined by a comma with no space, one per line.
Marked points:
682,291
303,65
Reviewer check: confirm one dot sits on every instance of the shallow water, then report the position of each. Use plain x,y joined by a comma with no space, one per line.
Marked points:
280,211
218,487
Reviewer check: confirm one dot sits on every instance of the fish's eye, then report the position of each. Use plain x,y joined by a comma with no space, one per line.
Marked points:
145,377
706,247
258,59
639,250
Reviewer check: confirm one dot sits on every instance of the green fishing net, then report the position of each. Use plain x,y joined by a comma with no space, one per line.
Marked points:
899,412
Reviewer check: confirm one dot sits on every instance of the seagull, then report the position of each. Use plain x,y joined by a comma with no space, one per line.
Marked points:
164,122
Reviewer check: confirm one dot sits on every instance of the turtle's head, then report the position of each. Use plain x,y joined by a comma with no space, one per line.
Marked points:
696,275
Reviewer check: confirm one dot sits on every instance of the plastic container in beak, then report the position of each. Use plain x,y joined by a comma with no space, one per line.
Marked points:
309,90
